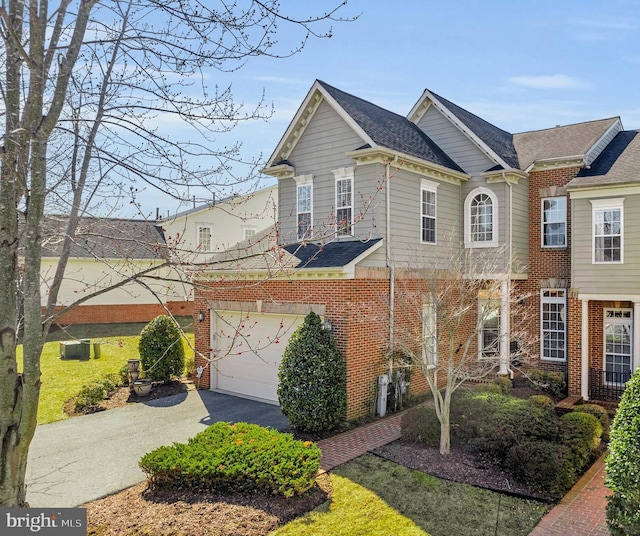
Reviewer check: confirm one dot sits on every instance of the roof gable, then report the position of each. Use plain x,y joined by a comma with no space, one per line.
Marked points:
496,143
618,164
376,126
574,141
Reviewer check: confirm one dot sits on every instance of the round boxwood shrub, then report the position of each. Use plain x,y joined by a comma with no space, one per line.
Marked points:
582,433
599,413
541,400
161,350
623,463
312,379
545,465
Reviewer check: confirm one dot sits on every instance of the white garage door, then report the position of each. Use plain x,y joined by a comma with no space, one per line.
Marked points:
251,346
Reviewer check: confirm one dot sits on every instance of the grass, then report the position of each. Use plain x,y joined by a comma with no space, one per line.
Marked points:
62,379
376,497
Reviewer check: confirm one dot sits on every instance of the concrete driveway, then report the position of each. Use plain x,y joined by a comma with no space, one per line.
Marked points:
84,458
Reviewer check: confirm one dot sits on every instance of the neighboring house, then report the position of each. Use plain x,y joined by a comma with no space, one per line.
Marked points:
366,196
106,251
194,235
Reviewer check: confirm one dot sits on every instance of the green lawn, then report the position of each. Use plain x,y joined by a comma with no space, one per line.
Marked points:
376,497
63,378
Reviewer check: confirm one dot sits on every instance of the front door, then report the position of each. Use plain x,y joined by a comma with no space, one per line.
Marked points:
618,346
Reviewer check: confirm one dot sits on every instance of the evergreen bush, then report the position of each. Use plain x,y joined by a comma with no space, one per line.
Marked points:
550,382
312,379
236,457
92,393
545,465
541,400
582,433
599,413
161,349
623,463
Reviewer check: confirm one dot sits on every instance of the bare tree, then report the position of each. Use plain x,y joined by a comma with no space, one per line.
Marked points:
463,321
86,86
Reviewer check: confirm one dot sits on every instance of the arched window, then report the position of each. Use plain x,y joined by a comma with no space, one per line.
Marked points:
481,225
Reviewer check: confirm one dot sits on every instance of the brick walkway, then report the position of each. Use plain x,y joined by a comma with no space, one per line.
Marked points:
580,513
349,445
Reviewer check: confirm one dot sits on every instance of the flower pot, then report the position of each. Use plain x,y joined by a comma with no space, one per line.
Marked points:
142,387
134,375
133,364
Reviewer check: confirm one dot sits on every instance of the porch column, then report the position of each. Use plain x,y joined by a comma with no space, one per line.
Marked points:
505,349
584,380
635,358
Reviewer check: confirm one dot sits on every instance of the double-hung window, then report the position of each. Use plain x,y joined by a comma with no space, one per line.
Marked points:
428,212
204,238
553,326
607,217
429,333
344,201
481,218
554,222
304,196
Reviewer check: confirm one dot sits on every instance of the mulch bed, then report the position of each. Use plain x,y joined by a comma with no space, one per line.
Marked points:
124,395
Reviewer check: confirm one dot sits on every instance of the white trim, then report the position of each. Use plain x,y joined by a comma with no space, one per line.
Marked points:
344,174
199,227
542,222
599,205
591,154
304,181
431,187
468,243
421,108
589,192
620,321
557,300
584,351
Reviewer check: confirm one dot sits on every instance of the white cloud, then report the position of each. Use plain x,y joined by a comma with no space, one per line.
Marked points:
556,81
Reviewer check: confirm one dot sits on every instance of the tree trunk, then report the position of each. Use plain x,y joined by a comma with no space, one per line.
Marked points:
445,426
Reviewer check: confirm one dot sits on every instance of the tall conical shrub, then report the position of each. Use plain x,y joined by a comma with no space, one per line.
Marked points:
161,350
312,388
623,463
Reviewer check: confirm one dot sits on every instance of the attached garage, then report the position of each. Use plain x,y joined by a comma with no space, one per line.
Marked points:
247,349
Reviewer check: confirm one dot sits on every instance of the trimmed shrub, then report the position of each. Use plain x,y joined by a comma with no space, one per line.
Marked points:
161,349
236,457
421,425
549,382
312,379
545,465
582,433
92,393
599,413
541,400
623,463
504,383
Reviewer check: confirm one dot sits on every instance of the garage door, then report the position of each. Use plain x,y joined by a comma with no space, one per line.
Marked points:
252,345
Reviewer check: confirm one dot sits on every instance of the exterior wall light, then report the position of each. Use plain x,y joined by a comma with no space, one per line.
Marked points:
200,316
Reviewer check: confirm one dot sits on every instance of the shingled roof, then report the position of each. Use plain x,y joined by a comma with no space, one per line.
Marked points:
330,255
390,130
105,238
617,164
560,141
498,140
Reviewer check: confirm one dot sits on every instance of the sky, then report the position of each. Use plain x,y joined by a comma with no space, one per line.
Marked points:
521,65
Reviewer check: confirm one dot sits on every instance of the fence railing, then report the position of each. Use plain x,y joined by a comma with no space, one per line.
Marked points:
607,385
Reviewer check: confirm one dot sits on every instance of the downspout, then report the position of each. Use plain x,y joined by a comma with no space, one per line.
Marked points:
390,265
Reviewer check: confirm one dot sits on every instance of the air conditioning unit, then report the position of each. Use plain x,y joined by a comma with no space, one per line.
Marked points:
75,349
